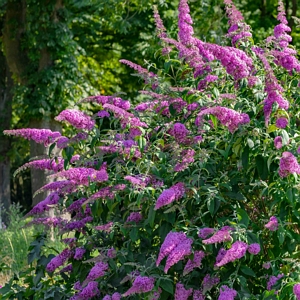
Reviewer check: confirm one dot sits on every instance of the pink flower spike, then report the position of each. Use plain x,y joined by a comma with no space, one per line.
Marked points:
40,136
76,118
226,293
222,235
141,285
181,293
296,290
237,251
272,225
170,195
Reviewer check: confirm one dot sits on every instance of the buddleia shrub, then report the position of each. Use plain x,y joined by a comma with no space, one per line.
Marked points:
192,193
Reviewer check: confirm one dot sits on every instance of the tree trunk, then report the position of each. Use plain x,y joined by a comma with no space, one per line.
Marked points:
6,85
39,177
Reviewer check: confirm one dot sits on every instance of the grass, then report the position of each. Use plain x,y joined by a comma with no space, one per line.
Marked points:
14,243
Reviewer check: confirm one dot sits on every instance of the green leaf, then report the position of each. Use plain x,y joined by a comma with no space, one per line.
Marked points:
213,205
285,137
51,148
242,217
247,271
281,235
167,285
151,216
172,110
250,143
134,234
142,142
245,157
262,167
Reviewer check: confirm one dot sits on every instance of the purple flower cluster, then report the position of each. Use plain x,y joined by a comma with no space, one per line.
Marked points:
272,225
278,142
205,232
186,158
103,114
227,293
90,291
195,263
125,117
47,222
115,296
79,252
141,284
237,251
76,118
170,195
222,235
238,29
176,245
296,290
282,122
283,55
235,61
105,227
179,132
185,28
78,225
97,271
273,89
254,248
272,281
104,193
111,253
83,175
228,117
198,295
288,164
204,82
55,165
135,217
160,28
59,260
208,282
136,181
267,265
43,206
181,293
41,136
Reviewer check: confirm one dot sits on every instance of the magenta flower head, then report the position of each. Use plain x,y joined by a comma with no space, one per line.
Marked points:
135,217
296,290
272,225
179,252
170,195
141,285
181,293
76,118
278,142
272,281
90,291
97,271
222,235
83,175
195,263
208,282
205,232
281,122
267,265
288,165
40,136
79,252
254,248
237,251
226,293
